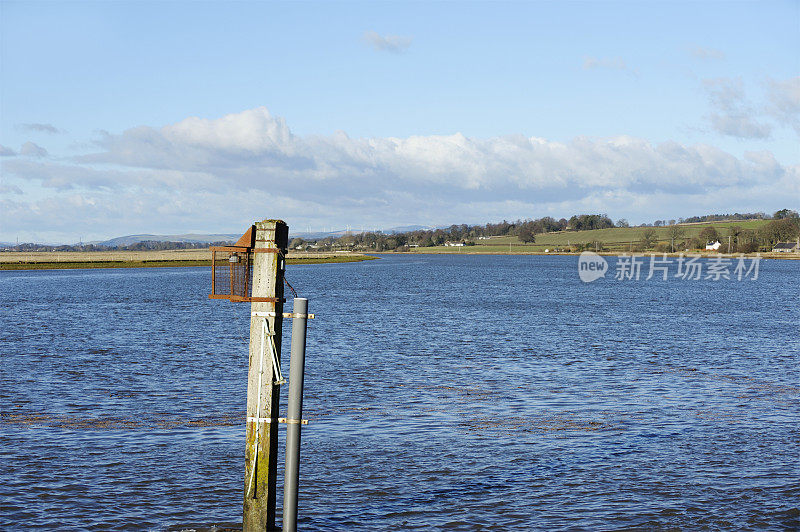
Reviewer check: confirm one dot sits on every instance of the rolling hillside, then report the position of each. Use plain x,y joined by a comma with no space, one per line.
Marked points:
613,239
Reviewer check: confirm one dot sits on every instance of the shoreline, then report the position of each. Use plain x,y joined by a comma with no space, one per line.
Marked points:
91,260
764,255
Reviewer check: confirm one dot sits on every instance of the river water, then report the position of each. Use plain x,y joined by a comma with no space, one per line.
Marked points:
444,392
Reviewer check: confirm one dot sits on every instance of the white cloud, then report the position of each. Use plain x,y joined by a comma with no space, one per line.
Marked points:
6,152
784,102
219,174
32,150
387,43
40,128
10,189
741,125
733,113
613,63
707,54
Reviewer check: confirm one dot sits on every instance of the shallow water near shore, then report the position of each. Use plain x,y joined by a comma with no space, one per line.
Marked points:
445,392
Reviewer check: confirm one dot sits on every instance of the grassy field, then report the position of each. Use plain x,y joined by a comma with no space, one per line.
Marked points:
144,259
615,239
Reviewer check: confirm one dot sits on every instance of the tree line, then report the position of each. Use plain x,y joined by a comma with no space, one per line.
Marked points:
784,225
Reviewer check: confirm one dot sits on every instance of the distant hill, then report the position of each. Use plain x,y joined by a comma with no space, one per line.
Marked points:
410,228
133,239
319,235
200,238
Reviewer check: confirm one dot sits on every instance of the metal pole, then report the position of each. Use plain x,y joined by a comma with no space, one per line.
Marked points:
294,414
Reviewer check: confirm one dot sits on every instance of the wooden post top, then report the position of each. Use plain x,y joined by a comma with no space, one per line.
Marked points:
272,231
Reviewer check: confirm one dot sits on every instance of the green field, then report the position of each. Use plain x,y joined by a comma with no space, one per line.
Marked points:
614,239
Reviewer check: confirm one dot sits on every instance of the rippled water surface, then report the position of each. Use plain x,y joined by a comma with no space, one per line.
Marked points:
445,392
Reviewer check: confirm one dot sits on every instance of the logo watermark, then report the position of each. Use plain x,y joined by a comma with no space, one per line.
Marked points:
592,266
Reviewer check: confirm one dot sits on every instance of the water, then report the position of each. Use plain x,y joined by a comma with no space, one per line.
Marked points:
444,392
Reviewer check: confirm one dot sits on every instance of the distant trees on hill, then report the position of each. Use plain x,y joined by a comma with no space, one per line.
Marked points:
723,217
784,214
526,231
586,222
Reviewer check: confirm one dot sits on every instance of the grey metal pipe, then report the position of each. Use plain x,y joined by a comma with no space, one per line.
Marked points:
294,414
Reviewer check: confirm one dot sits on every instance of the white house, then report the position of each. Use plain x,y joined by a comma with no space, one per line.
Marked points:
453,244
786,247
713,246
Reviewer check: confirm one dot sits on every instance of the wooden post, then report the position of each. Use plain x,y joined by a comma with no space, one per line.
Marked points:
260,471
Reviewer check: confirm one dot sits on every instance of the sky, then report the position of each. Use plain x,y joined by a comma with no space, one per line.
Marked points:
201,117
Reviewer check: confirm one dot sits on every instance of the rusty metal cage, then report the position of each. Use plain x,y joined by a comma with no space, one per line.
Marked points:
232,270
231,273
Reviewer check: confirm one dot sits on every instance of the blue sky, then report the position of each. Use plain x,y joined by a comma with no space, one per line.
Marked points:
171,117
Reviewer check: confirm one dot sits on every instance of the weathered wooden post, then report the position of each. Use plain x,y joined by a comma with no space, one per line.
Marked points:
263,392
252,271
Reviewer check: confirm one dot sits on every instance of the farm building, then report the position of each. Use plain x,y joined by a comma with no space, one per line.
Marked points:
786,247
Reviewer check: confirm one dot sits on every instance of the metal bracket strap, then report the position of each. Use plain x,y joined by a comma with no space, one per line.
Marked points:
293,421
251,419
278,420
285,315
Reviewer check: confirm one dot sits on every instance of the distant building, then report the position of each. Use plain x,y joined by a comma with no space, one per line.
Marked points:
453,244
712,246
786,247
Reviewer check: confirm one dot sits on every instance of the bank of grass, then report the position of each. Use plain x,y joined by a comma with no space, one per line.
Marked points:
92,264
616,239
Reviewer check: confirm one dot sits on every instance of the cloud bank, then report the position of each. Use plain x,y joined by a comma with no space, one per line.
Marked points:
223,173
